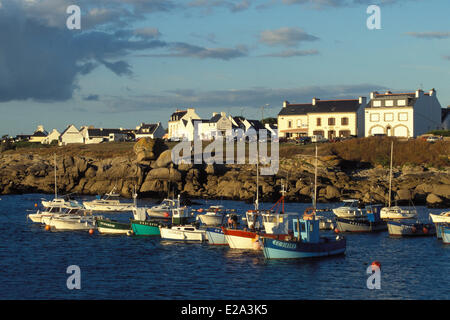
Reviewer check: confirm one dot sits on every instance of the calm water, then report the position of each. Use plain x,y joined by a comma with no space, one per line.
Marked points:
33,265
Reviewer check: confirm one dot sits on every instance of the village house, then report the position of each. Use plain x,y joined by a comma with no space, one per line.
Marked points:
51,137
93,135
70,135
149,130
39,135
326,118
176,125
402,114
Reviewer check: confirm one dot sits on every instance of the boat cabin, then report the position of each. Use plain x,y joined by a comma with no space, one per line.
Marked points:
278,223
308,230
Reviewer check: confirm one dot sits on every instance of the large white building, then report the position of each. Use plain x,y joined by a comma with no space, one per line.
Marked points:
402,114
326,118
177,123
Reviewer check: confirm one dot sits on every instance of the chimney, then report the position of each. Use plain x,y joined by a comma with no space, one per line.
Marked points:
223,114
214,114
285,104
388,92
314,100
432,92
362,100
419,93
373,94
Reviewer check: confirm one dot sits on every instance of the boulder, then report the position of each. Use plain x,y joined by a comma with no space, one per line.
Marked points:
331,192
433,200
148,149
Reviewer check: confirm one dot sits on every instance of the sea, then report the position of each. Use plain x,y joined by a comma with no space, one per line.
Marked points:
36,264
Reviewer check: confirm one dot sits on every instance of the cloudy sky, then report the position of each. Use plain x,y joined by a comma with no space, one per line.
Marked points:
138,60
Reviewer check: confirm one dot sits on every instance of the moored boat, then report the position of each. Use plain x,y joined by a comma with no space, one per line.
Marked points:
213,216
109,226
216,236
443,217
109,203
410,228
305,243
445,231
183,233
72,223
369,223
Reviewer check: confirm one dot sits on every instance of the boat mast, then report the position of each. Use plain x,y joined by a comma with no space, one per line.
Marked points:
315,184
390,174
56,188
257,179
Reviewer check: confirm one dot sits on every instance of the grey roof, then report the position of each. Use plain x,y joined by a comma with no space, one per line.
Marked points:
177,115
39,134
150,126
322,106
256,124
215,118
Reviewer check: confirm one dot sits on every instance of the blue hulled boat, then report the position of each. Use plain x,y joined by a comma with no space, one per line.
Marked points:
307,242
445,232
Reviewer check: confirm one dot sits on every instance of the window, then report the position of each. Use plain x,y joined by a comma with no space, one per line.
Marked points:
344,133
403,116
374,117
389,103
331,121
318,122
299,123
401,103
389,117
344,121
289,123
377,103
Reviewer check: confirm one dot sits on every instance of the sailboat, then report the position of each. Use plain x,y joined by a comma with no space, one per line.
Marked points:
395,212
306,241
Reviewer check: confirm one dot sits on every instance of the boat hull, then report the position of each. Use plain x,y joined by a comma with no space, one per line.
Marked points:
112,227
145,228
71,224
359,225
216,236
182,233
445,231
397,228
240,239
440,218
276,249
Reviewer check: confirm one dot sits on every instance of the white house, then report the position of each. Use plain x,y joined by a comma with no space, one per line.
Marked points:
151,130
70,135
327,118
402,114
93,135
39,135
52,136
176,125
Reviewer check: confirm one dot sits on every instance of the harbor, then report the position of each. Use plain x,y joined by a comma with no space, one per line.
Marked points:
134,267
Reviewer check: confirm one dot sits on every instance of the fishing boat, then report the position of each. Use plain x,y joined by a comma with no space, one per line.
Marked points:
443,217
410,228
110,226
108,203
213,216
370,222
216,236
183,233
445,232
395,212
306,242
44,217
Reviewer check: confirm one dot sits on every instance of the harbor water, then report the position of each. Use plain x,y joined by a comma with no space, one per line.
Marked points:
34,262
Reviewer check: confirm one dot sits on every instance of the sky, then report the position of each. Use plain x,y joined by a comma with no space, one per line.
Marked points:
136,61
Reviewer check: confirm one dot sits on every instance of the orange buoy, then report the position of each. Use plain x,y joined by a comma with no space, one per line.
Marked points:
35,205
91,231
200,210
47,228
336,230
376,264
166,214
425,230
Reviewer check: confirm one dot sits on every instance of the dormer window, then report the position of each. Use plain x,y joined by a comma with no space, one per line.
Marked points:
377,103
389,103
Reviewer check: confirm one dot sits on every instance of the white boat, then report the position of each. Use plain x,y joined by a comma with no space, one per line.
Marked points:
444,217
395,212
350,209
72,222
163,209
41,215
216,236
108,205
75,211
213,216
183,233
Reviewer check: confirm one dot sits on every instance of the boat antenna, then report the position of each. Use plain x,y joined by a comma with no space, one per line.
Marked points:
390,175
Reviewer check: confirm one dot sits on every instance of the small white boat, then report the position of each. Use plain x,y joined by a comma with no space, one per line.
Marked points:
216,236
183,233
396,213
75,212
162,210
350,209
444,217
109,205
213,216
72,222
42,216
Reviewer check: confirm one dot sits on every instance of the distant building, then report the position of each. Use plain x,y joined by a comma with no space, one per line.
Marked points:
70,135
402,114
327,118
149,130
39,135
93,135
52,136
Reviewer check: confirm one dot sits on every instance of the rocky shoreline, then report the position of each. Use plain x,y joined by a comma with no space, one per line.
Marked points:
154,174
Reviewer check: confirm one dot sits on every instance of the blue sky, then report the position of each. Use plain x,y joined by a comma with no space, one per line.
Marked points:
137,61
